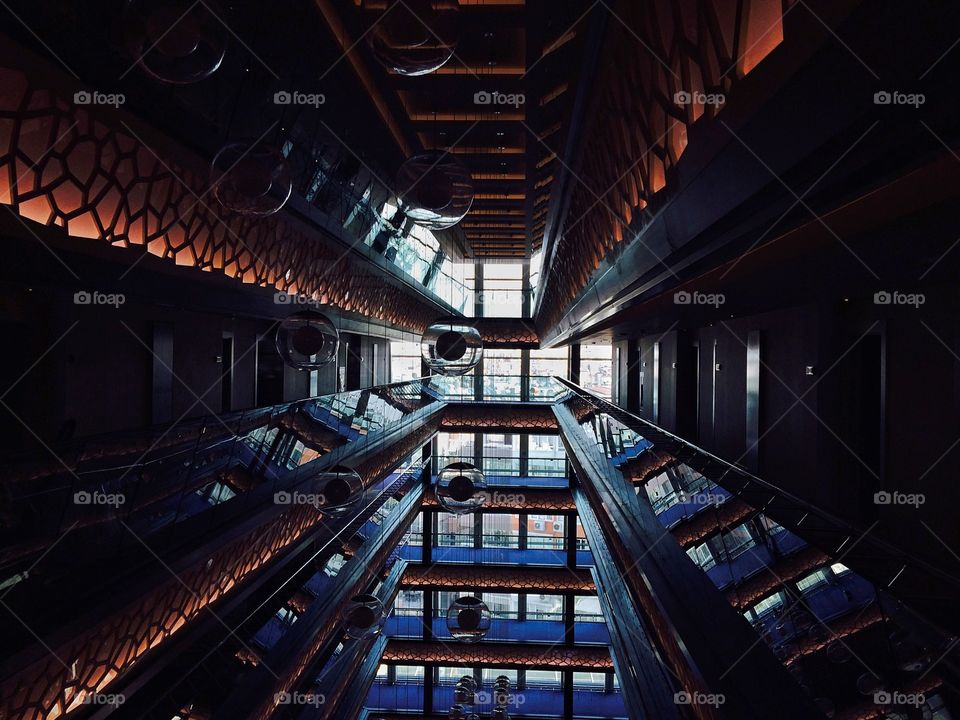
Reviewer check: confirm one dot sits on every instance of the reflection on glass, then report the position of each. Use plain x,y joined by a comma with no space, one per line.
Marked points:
596,369
546,532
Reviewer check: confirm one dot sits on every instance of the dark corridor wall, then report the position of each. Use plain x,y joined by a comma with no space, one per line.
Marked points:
843,406
74,370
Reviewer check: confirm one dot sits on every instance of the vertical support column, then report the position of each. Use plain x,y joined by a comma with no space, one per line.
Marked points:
428,612
524,454
428,673
569,617
570,537
527,307
630,374
574,369
429,520
752,455
477,530
525,375
568,693
161,398
354,358
478,296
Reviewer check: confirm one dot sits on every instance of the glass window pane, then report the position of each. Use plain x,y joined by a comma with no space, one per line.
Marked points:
545,532
544,678
587,609
454,447
491,674
409,603
501,530
547,456
404,361
505,606
501,374
544,607
596,368
501,455
410,673
589,680
454,530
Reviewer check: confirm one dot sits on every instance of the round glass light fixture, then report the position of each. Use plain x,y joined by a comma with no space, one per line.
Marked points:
461,488
415,37
364,616
307,340
251,178
340,488
499,713
174,41
451,347
456,713
434,189
463,695
469,682
468,619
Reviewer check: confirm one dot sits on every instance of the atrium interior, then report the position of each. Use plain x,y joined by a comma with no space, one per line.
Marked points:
480,360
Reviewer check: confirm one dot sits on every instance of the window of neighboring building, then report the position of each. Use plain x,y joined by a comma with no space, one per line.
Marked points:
502,290
732,543
454,530
702,556
454,447
544,678
589,681
546,532
404,361
661,493
813,580
582,542
501,530
596,369
383,672
334,564
839,568
409,603
547,364
505,606
410,673
451,675
501,455
547,456
544,607
501,374
767,606
772,527
489,675
587,609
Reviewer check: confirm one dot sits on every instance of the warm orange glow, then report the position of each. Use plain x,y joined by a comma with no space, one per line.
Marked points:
761,32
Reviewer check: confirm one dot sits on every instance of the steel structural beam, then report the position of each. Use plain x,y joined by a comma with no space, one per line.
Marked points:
290,660
513,654
354,671
497,578
706,643
645,680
